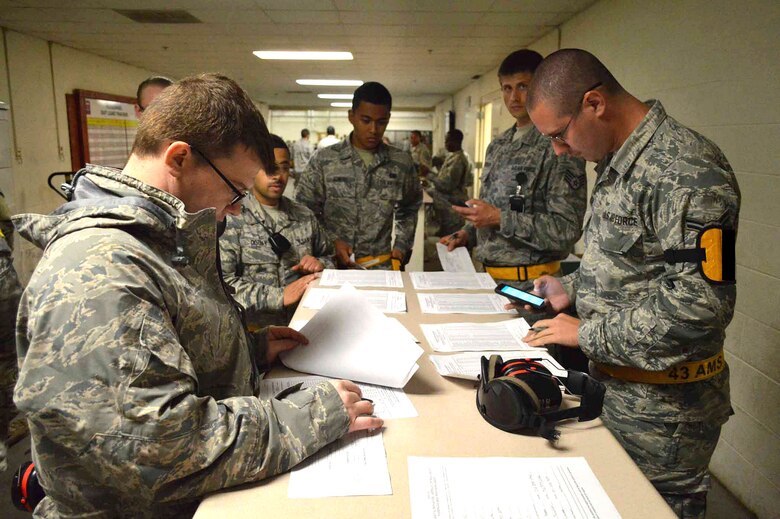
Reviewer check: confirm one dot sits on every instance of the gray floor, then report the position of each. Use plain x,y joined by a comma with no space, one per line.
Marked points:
721,504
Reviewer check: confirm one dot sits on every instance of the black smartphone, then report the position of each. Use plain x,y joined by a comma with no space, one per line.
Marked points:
460,203
520,296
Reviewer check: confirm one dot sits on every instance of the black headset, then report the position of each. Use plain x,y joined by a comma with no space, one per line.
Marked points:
522,394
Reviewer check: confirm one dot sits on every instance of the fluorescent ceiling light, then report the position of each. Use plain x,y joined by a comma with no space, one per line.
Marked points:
302,55
335,96
342,105
329,82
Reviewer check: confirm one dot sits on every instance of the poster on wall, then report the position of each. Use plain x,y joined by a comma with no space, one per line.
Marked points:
111,127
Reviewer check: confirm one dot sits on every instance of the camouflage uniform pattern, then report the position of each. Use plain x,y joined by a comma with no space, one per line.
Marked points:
135,372
10,291
358,203
652,195
421,156
253,269
555,201
302,151
447,187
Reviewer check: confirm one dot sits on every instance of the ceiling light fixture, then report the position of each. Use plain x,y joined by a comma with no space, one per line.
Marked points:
329,82
341,105
302,55
335,96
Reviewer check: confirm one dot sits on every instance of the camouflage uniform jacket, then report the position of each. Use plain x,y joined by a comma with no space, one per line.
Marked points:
421,156
302,152
663,184
555,201
358,203
135,373
254,270
451,179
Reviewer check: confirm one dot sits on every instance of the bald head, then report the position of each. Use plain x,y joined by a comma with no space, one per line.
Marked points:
563,78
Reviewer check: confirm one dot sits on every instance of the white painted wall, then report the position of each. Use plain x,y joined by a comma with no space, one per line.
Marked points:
715,64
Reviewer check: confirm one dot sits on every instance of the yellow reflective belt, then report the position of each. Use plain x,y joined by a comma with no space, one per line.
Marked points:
372,261
523,272
680,374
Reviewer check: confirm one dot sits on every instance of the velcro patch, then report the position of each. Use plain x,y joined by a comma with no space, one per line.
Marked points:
575,181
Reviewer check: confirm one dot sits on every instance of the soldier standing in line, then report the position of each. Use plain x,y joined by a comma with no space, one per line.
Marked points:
448,186
359,187
272,250
10,291
532,203
421,155
148,89
302,150
137,376
656,286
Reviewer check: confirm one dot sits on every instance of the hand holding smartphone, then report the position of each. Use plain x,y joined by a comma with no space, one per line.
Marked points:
520,296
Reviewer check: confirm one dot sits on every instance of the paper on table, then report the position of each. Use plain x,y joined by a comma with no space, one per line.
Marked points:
457,260
361,278
438,280
390,301
463,304
298,324
468,365
351,339
355,465
520,488
389,403
503,335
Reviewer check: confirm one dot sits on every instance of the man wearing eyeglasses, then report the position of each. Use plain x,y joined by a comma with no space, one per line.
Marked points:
137,375
656,287
274,248
532,203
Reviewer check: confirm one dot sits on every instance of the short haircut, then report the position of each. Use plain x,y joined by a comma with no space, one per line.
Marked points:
456,135
524,60
305,132
417,133
278,143
160,81
211,113
331,130
564,77
374,93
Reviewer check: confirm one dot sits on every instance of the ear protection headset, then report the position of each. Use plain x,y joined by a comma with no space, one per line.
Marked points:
26,490
523,394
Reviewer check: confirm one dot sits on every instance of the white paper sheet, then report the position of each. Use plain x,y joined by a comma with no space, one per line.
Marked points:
440,280
389,301
500,336
298,324
351,339
520,488
355,465
467,365
457,260
361,278
389,403
442,303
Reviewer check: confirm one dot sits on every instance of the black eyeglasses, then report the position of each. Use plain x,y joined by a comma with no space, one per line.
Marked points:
240,195
561,135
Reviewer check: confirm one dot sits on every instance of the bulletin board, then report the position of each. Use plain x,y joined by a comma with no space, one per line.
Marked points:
102,128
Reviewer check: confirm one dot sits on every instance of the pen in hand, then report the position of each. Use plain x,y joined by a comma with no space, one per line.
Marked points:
537,329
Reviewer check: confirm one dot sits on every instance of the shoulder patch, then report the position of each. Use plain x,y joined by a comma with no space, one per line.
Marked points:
575,181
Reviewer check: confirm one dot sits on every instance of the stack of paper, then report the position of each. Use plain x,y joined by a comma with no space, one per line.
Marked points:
439,280
389,301
361,278
477,303
351,339
456,260
501,336
468,365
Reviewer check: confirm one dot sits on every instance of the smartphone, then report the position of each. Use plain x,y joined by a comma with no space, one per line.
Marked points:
460,203
520,296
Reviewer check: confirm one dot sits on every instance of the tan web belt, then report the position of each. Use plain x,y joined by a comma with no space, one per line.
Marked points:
680,374
523,272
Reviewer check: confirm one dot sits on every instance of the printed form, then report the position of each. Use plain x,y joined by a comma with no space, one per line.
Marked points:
520,488
463,304
389,403
462,280
361,278
456,260
298,324
388,301
468,365
355,465
503,335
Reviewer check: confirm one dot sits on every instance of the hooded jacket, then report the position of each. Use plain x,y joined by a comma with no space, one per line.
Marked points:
136,375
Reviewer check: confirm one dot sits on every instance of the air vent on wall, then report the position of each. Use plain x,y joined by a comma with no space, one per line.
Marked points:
158,16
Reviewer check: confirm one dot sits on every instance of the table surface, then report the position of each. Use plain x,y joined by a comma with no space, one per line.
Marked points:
448,425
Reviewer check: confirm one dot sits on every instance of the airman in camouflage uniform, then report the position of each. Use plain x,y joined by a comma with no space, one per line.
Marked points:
645,308
421,155
359,187
520,162
256,272
448,186
10,291
137,377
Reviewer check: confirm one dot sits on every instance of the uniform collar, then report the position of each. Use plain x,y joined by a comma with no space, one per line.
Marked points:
253,207
348,153
625,157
